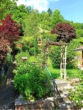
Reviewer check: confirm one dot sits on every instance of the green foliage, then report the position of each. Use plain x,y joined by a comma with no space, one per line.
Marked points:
27,44
56,17
31,81
48,36
77,25
20,82
77,95
55,57
9,56
35,46
79,33
19,56
74,73
26,40
45,20
31,24
71,54
6,7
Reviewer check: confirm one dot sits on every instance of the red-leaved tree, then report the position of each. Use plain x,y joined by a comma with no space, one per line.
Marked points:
9,32
65,32
9,29
3,49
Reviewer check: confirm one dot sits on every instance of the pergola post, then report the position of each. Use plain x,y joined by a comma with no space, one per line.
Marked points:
63,73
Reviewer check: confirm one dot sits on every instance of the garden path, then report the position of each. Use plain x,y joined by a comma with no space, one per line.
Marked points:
7,91
62,101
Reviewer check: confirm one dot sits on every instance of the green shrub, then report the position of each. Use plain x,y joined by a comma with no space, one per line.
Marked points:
77,95
55,57
25,48
19,56
31,81
74,73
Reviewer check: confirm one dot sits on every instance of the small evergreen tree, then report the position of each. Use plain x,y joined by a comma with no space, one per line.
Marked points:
35,46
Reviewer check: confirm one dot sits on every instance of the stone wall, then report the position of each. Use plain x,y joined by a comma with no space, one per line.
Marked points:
43,104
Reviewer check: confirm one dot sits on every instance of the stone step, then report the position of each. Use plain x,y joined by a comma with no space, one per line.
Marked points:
62,83
66,93
64,103
62,98
65,106
66,88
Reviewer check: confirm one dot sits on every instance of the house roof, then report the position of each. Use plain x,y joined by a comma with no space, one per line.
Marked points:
79,48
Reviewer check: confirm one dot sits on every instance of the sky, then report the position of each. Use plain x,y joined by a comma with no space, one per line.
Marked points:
71,10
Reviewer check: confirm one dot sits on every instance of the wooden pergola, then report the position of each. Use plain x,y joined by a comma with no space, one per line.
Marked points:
63,63
63,73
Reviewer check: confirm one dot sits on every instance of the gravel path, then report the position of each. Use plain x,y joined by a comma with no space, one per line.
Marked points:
7,91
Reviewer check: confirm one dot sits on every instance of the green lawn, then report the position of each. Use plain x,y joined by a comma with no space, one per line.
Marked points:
71,73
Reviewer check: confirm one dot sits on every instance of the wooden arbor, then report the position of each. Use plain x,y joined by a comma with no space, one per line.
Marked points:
63,63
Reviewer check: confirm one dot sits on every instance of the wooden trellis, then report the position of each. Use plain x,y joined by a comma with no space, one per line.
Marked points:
63,73
63,46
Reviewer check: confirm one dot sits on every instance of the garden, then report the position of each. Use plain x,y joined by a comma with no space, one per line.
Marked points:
32,42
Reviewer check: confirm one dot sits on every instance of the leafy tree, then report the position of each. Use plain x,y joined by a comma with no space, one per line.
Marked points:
71,54
6,7
20,13
56,17
77,25
9,32
65,32
31,24
41,15
45,22
9,29
32,28
49,11
3,49
79,33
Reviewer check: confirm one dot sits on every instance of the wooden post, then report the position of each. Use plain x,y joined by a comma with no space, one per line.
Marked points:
65,74
82,58
63,62
61,73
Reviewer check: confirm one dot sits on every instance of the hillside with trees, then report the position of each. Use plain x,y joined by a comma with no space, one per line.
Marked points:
24,37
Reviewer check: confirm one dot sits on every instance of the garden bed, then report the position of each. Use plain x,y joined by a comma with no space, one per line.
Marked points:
42,104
